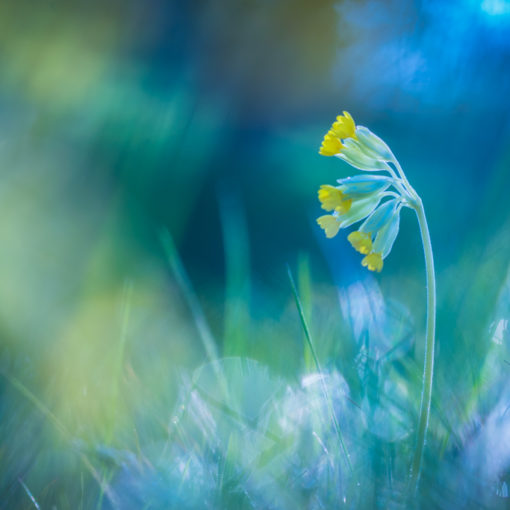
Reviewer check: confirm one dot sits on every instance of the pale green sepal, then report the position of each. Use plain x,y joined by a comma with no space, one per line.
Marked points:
379,217
387,234
373,143
364,184
353,154
360,209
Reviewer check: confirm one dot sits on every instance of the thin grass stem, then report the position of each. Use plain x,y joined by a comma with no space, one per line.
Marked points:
186,288
327,397
29,494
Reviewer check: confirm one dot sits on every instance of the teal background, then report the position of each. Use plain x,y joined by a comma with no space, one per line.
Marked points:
129,127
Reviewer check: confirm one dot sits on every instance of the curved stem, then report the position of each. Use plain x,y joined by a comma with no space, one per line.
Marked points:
428,370
402,175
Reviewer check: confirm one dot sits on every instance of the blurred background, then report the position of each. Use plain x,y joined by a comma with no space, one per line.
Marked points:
159,170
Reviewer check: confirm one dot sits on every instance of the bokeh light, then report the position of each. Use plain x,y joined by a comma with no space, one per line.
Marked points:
158,177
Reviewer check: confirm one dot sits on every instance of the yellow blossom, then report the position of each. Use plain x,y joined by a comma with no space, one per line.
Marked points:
373,262
333,199
344,127
361,242
329,224
331,144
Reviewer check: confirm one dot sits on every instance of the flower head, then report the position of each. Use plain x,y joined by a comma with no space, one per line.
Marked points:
356,145
362,197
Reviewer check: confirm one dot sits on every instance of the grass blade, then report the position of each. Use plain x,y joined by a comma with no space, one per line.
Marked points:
319,370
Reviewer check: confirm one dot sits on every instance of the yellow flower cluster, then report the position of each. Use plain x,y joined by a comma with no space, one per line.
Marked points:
360,197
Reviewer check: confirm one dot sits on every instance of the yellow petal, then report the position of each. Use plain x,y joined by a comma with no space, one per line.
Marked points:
350,121
361,242
344,127
373,262
329,224
331,144
332,199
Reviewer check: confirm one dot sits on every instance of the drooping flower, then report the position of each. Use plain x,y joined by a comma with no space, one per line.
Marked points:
334,199
373,262
376,235
361,242
365,151
356,145
329,224
331,144
343,127
362,196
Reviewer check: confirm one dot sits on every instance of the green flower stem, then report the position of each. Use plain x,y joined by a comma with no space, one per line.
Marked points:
428,371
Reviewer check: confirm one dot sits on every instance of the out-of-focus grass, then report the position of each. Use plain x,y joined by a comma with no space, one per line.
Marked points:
106,405
116,411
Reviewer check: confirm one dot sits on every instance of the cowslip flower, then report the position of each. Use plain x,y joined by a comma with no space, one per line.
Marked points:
356,145
363,197
376,235
378,199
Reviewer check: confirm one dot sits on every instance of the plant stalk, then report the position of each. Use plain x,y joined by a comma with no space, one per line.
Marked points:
428,370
